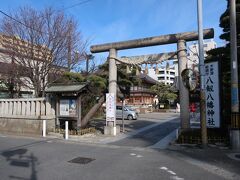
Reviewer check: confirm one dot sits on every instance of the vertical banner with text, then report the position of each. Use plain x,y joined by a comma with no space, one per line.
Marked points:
110,107
212,95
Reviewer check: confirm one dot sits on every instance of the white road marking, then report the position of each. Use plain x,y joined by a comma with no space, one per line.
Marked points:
49,141
171,172
164,168
176,178
137,155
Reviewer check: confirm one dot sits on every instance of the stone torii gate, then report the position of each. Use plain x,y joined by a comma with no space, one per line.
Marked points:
180,39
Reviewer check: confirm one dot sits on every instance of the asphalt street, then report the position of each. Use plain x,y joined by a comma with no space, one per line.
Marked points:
49,159
150,136
132,155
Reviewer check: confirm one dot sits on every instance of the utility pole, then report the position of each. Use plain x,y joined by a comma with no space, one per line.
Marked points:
88,57
202,76
235,132
234,61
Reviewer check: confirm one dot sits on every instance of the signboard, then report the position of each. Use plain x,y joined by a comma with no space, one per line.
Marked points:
110,107
72,107
68,107
212,95
64,107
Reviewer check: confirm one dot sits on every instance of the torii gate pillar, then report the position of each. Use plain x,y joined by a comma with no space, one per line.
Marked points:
183,91
110,128
112,72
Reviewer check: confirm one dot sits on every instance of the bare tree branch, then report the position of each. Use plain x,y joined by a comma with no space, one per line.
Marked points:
46,43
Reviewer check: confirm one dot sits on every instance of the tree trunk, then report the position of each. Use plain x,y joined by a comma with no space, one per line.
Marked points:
92,111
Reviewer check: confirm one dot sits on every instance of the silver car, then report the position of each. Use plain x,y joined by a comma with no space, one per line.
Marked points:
128,113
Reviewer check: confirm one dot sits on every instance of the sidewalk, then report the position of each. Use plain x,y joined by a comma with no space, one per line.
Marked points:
219,159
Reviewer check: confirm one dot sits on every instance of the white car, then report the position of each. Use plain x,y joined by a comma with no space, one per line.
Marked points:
128,113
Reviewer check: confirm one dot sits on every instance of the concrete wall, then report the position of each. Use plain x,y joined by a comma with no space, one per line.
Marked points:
25,126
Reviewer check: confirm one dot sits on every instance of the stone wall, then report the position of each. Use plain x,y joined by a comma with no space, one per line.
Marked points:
25,126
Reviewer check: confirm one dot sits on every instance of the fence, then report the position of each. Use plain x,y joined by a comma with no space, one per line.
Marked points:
27,116
31,108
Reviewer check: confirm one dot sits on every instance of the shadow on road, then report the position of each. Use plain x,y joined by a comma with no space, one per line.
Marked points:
19,158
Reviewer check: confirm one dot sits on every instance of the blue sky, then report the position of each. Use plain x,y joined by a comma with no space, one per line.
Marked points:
103,21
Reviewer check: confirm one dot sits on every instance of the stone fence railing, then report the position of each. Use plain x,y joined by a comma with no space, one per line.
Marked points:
31,108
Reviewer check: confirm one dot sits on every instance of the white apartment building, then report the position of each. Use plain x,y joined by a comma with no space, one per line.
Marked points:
193,58
165,75
170,74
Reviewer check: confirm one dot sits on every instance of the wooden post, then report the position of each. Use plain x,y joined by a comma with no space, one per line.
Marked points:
79,112
57,123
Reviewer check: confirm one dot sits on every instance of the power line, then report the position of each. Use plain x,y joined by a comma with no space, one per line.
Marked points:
14,19
20,22
77,4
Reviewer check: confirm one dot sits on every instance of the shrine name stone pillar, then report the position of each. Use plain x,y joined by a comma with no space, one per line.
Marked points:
183,91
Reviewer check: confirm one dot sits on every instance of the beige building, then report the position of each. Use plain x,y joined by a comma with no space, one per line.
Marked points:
16,58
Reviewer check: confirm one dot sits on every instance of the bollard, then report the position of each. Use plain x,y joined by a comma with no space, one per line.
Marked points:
44,128
66,130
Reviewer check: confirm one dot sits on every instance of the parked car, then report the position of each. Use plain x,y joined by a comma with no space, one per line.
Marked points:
128,113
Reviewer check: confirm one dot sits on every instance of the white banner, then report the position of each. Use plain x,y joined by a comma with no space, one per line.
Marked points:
212,95
110,107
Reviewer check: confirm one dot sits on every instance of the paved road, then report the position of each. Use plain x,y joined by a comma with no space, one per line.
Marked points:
161,124
48,159
150,136
130,158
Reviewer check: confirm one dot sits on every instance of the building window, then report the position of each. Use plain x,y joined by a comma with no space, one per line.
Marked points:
172,73
160,78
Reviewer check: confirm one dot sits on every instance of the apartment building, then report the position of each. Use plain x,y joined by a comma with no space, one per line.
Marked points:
18,61
193,58
168,74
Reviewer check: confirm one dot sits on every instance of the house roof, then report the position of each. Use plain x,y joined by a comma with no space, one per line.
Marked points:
65,88
147,79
